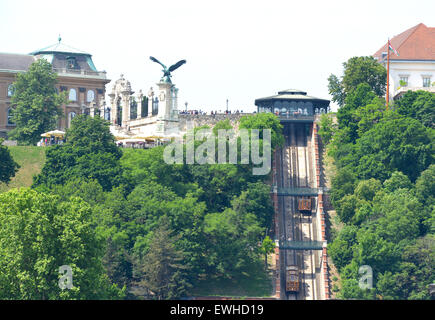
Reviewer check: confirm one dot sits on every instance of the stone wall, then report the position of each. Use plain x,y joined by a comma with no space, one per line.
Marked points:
208,119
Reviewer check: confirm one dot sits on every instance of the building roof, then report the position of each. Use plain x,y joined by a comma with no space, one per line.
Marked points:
15,62
291,94
59,47
292,91
416,43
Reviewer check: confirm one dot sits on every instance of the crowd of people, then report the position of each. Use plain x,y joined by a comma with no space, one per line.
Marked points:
200,112
44,142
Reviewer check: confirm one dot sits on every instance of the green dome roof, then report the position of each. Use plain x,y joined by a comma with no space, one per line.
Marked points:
59,48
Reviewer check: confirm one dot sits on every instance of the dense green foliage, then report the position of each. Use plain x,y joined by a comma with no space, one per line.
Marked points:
265,121
383,193
89,152
159,229
357,70
8,167
36,104
38,234
419,105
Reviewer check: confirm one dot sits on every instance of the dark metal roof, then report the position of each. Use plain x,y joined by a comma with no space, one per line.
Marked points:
291,94
15,62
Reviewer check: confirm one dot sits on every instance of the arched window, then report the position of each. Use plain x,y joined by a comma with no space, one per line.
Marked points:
72,95
10,90
107,113
9,116
118,112
133,109
91,96
71,116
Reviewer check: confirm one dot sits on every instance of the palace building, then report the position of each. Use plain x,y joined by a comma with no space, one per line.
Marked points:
414,67
77,75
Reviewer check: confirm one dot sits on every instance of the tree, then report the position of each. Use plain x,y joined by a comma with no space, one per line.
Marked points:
357,98
347,207
264,120
395,143
342,248
415,272
36,103
233,241
327,128
89,153
364,69
358,70
267,247
222,125
373,250
369,115
400,216
419,105
256,200
425,186
38,234
91,134
367,189
343,183
336,89
397,181
8,167
161,269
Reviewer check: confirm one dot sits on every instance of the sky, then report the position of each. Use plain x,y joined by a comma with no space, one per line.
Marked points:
237,50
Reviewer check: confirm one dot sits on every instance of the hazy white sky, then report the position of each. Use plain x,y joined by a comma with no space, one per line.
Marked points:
236,50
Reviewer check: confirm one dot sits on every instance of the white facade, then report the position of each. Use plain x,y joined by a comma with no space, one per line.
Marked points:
419,75
162,116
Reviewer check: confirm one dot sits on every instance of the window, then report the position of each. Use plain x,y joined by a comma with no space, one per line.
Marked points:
403,81
133,109
107,113
91,96
72,95
426,82
71,116
155,109
144,110
10,90
9,116
118,112
71,63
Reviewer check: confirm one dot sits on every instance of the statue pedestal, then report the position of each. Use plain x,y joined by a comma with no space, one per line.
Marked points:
165,99
167,117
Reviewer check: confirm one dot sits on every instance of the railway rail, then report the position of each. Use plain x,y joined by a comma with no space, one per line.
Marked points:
294,172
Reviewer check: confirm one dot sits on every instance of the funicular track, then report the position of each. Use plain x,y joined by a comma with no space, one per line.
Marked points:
294,170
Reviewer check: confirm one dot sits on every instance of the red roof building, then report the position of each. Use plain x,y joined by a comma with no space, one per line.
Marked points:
414,67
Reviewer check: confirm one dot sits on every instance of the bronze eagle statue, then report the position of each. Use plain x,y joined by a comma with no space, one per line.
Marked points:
167,71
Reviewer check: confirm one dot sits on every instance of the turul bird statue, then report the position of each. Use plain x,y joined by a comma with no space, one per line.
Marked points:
167,71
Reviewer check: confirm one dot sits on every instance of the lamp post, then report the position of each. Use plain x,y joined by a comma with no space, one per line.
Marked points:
227,105
186,106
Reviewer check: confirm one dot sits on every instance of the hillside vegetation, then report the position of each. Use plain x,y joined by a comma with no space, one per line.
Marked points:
31,160
148,229
384,194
